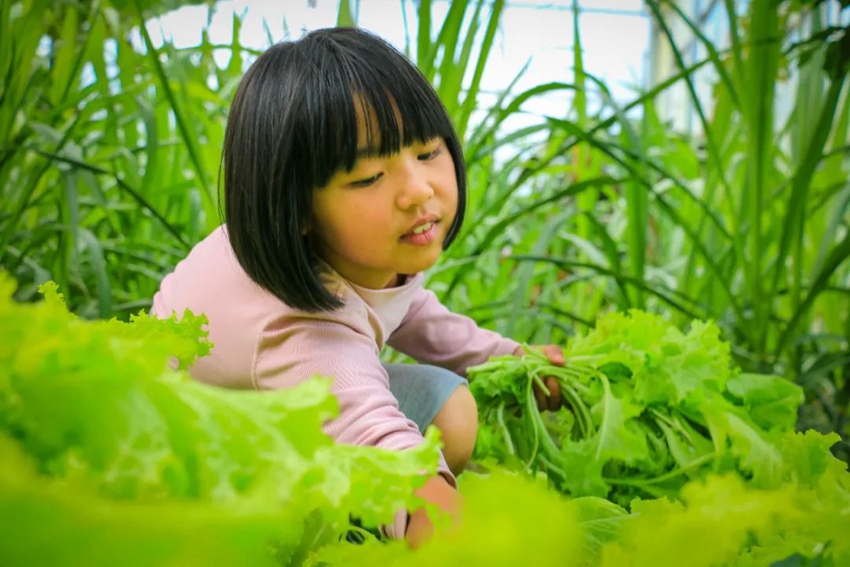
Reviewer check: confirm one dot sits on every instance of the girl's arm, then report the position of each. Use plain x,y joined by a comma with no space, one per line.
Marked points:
432,334
293,349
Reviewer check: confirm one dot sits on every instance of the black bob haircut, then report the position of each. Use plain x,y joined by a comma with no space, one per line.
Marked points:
293,125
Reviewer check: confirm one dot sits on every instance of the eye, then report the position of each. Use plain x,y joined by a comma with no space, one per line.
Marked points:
366,182
429,155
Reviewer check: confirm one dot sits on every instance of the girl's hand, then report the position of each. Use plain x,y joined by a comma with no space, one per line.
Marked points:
553,401
436,491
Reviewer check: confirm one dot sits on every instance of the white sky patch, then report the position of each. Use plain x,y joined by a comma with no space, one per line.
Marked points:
614,34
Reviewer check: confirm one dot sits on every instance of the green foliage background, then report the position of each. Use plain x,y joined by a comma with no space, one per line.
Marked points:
110,153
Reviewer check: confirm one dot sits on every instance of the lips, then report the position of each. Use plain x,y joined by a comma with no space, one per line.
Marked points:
422,224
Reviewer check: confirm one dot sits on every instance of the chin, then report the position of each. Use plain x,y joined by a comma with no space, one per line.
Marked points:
421,266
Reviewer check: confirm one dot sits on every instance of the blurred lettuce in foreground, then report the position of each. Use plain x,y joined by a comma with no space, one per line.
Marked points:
510,519
63,522
109,456
96,408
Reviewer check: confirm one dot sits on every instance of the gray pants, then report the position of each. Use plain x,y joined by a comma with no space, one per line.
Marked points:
422,390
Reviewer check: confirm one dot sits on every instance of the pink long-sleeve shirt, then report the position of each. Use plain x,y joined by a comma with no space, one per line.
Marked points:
261,343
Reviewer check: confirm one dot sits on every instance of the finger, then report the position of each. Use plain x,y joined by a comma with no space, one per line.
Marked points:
540,396
554,400
554,354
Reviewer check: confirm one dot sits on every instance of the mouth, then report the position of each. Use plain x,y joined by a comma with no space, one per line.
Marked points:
422,224
422,233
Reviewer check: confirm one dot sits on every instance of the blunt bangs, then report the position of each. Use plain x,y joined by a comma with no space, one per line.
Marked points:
360,74
293,124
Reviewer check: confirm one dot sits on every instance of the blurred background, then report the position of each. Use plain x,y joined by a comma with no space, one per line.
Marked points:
689,158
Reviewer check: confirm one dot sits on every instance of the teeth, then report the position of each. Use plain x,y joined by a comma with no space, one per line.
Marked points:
423,228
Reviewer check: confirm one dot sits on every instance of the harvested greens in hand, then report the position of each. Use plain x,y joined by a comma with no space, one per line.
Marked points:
646,408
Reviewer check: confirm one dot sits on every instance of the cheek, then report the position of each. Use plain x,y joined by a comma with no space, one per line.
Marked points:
329,223
449,190
448,182
358,220
365,214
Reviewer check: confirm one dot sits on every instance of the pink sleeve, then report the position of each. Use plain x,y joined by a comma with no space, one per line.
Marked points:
293,350
432,334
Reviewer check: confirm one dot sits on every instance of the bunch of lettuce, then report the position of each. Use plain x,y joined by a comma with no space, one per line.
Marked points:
106,449
646,408
705,457
719,521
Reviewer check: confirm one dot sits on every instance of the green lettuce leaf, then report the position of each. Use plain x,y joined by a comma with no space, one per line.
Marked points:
771,401
542,528
667,365
97,404
722,520
64,522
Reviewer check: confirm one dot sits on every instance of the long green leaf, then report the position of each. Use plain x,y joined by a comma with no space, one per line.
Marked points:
801,182
140,199
713,54
451,70
524,274
602,271
483,55
424,55
762,67
345,16
820,282
713,151
188,137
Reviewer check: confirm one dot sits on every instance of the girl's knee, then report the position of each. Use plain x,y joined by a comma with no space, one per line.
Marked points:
458,423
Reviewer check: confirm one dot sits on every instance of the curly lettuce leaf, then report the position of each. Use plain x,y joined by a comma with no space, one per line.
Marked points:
719,521
95,404
616,439
67,523
653,408
771,401
808,462
354,478
722,520
93,411
542,529
637,339
747,447
667,366
185,337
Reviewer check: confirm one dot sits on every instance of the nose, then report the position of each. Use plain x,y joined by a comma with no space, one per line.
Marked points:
415,188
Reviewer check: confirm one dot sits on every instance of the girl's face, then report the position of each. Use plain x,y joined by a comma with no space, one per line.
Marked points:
388,215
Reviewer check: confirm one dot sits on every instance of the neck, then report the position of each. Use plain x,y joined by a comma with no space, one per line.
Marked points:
395,281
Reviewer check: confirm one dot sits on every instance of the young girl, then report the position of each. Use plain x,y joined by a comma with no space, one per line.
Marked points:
343,180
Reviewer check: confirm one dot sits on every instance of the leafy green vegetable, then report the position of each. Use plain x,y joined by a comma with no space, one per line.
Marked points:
718,521
722,521
110,454
543,529
97,404
770,403
64,522
650,408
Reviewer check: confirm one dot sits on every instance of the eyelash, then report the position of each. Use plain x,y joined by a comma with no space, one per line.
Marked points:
366,182
371,180
430,155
